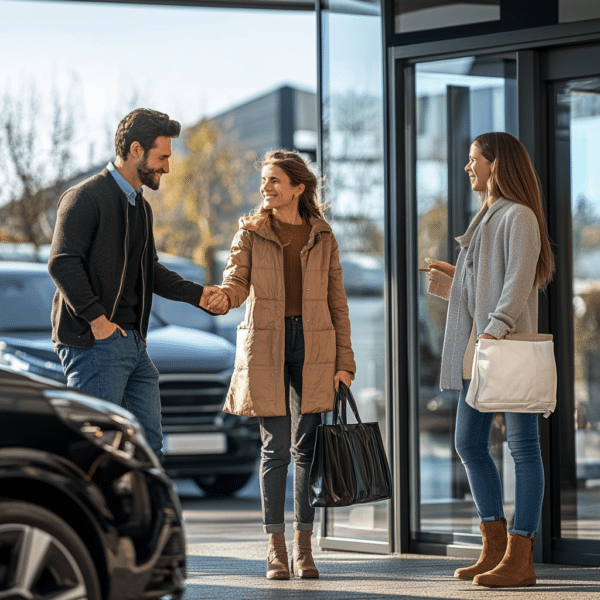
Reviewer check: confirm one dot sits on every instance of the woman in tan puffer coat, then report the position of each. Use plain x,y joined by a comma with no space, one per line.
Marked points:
293,347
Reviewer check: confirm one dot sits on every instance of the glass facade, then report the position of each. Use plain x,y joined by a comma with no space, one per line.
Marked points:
498,73
352,163
577,138
456,100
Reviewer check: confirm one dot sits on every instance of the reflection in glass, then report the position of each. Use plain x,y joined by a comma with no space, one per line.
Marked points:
419,15
456,100
578,104
352,126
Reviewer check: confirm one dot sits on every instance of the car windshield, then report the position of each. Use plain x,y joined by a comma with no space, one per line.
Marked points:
26,301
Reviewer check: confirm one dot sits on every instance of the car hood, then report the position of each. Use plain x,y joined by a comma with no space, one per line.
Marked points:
172,349
183,349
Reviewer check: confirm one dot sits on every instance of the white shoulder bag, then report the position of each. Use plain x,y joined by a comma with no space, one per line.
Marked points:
515,374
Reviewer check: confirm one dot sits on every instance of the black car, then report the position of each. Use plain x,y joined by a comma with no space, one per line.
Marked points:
219,451
86,510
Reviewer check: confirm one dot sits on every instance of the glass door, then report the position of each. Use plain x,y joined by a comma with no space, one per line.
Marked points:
574,194
351,85
455,101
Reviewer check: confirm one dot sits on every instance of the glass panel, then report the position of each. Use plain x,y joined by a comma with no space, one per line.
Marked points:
352,109
419,15
456,100
578,139
578,10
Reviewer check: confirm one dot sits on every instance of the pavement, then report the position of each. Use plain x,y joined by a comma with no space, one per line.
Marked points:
227,561
236,570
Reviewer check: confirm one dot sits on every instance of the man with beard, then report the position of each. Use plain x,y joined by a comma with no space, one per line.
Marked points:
104,263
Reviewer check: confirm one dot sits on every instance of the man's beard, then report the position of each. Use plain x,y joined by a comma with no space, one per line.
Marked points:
146,174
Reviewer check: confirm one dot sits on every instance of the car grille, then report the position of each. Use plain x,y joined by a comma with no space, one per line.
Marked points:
190,403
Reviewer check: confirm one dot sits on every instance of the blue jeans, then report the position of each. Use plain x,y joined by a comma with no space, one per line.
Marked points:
282,436
118,369
472,444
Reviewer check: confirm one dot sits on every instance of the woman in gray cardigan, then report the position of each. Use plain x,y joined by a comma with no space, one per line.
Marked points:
505,259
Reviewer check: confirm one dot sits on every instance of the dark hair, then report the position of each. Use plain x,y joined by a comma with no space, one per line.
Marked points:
143,125
296,168
513,177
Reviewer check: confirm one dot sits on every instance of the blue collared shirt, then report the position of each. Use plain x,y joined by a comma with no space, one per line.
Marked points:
127,188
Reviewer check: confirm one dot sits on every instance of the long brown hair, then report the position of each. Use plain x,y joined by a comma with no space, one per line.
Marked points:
296,168
513,177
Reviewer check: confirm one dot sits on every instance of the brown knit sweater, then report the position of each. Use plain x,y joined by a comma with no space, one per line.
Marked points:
293,238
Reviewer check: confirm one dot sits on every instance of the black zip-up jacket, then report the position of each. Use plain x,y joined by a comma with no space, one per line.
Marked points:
88,262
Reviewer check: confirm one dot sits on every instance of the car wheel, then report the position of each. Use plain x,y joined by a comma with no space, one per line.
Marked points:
219,486
41,556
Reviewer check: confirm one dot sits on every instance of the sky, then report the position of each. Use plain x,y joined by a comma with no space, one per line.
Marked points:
187,62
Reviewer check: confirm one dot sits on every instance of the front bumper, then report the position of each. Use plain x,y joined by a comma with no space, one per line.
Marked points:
150,562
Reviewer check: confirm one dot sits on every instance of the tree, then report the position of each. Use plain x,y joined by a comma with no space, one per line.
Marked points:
354,170
199,203
36,137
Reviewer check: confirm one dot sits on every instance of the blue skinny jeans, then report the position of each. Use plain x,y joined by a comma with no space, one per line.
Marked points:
472,444
286,436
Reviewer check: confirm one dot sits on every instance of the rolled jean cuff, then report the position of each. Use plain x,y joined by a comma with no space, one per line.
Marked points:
274,528
303,526
527,534
490,519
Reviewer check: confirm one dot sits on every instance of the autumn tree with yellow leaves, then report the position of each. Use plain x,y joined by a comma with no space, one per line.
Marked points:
196,210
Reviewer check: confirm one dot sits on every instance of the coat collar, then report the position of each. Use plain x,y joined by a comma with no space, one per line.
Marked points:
264,228
494,208
484,214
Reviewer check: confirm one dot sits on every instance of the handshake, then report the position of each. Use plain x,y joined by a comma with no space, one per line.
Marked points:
214,300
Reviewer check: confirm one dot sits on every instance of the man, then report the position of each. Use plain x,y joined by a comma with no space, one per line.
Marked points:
104,263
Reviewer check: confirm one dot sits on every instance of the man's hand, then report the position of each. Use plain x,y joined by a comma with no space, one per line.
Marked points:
103,328
345,377
215,300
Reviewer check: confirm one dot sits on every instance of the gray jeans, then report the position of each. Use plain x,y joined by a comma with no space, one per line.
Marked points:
293,434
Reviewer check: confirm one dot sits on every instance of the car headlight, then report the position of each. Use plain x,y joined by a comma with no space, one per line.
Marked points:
20,360
106,425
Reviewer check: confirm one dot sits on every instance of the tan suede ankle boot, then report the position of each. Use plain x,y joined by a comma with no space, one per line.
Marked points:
303,564
277,561
494,538
516,568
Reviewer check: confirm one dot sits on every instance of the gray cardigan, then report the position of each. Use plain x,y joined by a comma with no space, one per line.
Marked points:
494,282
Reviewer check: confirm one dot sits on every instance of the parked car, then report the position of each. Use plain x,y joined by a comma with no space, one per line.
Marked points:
364,274
219,451
86,509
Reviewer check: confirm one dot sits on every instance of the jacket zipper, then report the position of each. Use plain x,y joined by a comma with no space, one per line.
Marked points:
125,248
145,250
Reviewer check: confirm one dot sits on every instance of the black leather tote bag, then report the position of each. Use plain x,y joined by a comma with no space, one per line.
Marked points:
349,464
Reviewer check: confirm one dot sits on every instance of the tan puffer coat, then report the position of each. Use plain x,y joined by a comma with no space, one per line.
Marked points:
255,273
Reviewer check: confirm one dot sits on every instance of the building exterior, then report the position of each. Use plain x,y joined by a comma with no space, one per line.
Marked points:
446,72
282,118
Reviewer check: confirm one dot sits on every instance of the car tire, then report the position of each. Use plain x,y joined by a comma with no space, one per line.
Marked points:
221,486
41,555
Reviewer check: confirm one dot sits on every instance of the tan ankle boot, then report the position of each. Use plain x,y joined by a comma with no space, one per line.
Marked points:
277,561
303,564
516,568
494,547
